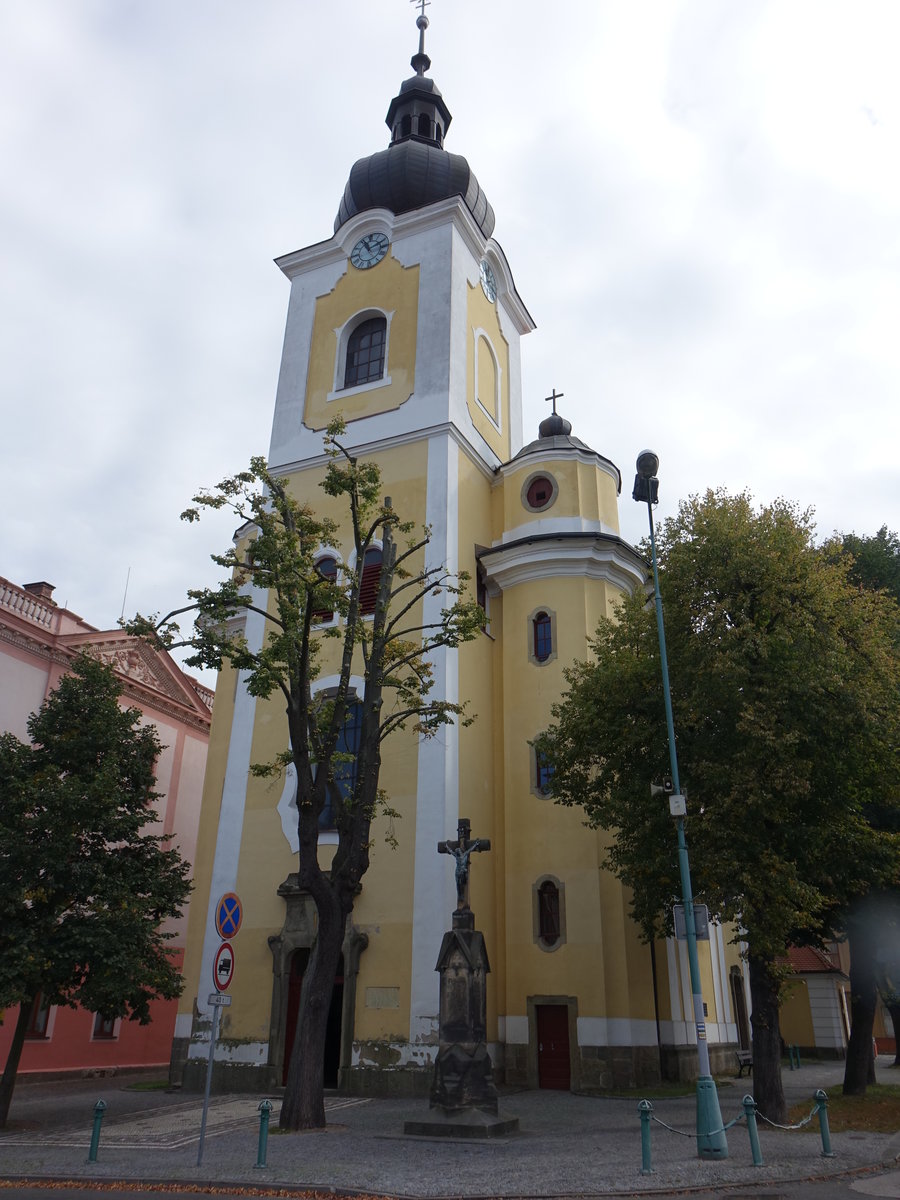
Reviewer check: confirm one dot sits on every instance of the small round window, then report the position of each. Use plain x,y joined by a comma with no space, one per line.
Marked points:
539,492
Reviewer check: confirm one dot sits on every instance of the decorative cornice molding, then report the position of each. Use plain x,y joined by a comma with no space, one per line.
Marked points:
587,556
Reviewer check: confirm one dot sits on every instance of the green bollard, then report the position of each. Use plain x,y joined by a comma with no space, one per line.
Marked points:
265,1110
645,1108
99,1110
822,1105
750,1113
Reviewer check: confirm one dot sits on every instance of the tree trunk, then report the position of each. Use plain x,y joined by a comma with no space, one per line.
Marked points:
303,1106
862,1009
768,1091
894,1009
8,1082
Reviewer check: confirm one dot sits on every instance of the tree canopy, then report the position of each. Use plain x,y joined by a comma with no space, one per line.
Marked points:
875,559
386,628
87,885
784,691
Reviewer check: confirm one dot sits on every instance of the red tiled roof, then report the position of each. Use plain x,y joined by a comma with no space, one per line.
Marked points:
806,960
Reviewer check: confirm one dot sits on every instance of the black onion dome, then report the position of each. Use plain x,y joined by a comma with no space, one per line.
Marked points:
554,425
409,175
415,170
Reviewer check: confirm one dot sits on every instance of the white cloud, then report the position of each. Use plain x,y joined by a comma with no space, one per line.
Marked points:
698,200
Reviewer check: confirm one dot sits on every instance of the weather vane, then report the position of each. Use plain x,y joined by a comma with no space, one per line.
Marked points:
556,396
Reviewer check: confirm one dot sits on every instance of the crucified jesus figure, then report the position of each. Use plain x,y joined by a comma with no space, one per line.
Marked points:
462,849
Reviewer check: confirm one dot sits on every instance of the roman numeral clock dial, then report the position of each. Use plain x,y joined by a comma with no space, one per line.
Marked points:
369,250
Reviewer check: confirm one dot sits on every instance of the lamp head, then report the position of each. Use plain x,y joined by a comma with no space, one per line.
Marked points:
646,485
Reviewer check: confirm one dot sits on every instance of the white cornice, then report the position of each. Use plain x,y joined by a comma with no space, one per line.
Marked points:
586,556
549,526
389,443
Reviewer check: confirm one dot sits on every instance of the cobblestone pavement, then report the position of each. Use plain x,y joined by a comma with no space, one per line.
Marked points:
566,1145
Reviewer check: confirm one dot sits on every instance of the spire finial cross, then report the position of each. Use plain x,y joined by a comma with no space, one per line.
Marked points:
422,5
553,398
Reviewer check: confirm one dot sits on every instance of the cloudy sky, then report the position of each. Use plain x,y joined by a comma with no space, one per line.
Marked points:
700,201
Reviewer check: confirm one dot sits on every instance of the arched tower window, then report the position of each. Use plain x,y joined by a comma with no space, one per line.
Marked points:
406,125
543,636
424,125
365,352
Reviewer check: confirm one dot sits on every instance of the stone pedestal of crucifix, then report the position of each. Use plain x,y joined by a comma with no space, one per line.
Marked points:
463,1095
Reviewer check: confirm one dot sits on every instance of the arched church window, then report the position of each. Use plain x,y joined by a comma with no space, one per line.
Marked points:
344,769
424,125
368,586
365,352
548,913
327,567
543,774
406,126
542,628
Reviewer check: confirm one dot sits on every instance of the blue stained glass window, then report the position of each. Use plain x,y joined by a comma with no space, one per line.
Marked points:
543,773
344,773
543,637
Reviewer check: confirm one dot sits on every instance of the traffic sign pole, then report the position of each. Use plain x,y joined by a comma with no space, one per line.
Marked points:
209,1069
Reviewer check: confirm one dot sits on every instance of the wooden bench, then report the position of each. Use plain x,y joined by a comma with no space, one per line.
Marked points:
745,1059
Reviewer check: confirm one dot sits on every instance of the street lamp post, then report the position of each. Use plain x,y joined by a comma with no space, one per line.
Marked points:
711,1140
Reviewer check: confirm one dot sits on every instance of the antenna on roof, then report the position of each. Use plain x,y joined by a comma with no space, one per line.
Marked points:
127,577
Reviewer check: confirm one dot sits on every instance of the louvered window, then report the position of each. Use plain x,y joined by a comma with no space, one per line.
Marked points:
368,588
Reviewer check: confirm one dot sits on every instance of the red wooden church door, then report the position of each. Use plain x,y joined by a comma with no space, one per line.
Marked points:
554,1070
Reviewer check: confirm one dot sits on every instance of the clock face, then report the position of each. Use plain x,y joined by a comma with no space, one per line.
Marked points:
369,250
488,282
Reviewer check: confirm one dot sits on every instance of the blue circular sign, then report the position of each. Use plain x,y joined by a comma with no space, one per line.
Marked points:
229,915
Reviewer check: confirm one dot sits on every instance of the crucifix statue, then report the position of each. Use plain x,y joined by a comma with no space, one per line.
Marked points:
462,849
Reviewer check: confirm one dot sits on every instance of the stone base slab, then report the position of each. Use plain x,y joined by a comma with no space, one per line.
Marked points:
467,1123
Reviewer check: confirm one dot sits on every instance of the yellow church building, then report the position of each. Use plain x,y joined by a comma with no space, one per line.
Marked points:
407,323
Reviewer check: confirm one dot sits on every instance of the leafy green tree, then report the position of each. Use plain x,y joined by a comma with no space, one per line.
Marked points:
391,650
783,677
875,559
871,925
86,887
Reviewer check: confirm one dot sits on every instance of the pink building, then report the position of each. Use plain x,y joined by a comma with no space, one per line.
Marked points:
38,640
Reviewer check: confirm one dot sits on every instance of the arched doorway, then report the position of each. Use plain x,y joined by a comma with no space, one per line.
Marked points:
299,963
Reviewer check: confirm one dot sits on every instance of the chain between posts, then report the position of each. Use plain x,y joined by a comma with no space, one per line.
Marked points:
750,1114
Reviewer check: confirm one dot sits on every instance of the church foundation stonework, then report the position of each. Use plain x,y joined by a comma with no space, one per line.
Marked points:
463,1095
